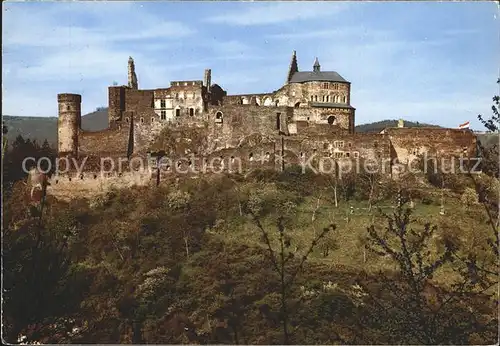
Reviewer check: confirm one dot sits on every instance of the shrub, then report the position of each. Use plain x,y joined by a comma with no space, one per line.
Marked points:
469,197
178,199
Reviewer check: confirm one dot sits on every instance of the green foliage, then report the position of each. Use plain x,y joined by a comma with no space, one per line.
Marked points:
469,197
184,263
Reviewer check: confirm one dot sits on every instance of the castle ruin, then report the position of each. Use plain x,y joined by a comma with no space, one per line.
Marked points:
310,115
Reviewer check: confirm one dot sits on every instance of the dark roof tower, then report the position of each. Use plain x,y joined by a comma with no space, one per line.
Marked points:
316,66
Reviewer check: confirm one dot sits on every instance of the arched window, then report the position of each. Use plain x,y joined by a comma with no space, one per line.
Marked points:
142,120
218,117
126,119
316,98
68,108
177,112
191,112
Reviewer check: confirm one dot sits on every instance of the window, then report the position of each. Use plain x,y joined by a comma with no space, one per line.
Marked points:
68,108
152,119
345,99
347,154
312,98
163,115
219,117
325,85
142,120
325,145
126,119
278,121
327,98
341,144
331,119
316,98
356,154
250,157
191,112
177,112
163,104
324,98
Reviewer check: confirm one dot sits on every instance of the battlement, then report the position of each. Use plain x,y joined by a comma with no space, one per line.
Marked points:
69,98
187,83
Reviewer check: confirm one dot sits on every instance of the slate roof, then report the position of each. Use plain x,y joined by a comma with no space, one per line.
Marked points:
327,76
331,105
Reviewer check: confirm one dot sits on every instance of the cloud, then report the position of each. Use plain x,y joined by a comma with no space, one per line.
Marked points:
52,27
420,73
275,13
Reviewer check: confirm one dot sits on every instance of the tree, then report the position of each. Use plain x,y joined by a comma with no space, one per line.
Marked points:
282,260
414,308
490,154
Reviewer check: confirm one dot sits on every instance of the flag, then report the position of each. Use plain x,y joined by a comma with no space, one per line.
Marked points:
464,125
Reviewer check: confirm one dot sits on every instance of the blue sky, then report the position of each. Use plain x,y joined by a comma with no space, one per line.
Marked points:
434,62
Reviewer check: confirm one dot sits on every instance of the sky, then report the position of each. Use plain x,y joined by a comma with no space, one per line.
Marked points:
432,62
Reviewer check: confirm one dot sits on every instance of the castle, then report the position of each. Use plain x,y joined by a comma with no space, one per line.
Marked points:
310,115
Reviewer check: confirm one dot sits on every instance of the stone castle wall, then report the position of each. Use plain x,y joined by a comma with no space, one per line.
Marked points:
203,130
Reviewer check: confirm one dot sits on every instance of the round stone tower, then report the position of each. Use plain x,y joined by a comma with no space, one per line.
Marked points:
68,126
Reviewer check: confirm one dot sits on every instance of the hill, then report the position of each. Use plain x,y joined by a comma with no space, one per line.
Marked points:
380,125
199,262
41,128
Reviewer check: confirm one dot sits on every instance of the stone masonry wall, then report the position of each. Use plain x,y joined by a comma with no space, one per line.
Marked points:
409,143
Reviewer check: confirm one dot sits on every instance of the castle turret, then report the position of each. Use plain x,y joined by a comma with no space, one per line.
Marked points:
207,80
68,126
132,77
293,67
316,66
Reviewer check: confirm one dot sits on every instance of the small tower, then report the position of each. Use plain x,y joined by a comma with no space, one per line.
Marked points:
316,66
68,125
293,67
132,77
207,80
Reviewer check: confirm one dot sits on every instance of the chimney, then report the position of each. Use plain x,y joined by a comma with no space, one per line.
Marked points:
207,80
